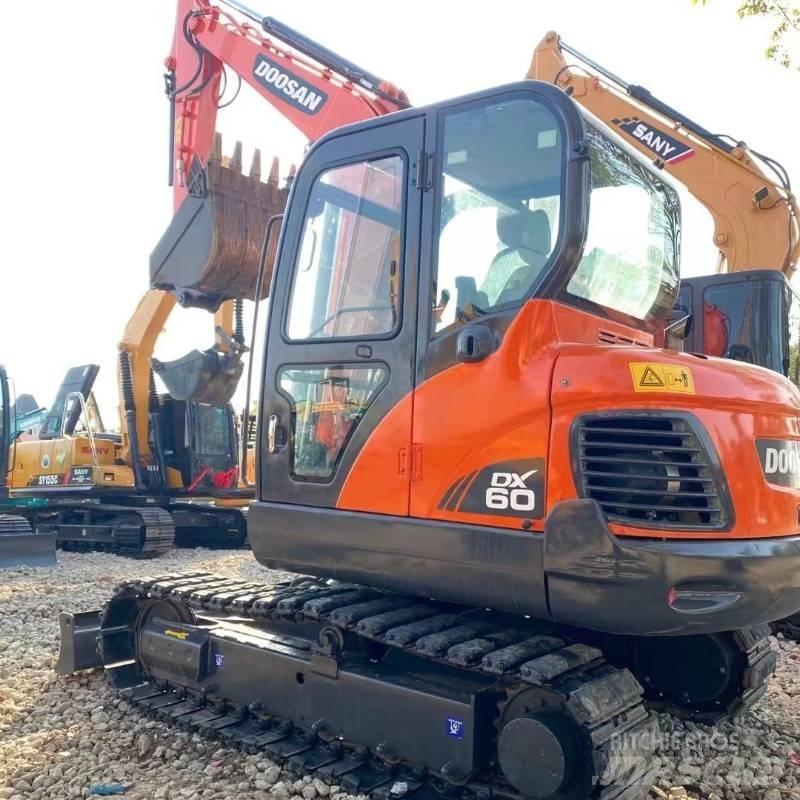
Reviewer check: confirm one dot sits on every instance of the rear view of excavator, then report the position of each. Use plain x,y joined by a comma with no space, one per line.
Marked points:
519,524
747,309
19,544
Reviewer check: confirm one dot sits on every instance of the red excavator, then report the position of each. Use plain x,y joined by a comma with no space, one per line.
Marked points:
520,523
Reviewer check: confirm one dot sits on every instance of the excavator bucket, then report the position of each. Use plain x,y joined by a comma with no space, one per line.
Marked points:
207,376
211,250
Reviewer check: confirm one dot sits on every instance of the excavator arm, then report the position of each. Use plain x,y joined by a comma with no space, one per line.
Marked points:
748,195
211,251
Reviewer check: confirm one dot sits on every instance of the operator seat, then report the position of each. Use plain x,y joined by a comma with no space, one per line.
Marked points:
526,236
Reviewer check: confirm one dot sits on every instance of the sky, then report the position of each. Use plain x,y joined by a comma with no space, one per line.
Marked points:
84,134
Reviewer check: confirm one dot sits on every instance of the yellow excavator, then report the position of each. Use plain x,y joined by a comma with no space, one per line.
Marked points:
733,311
180,470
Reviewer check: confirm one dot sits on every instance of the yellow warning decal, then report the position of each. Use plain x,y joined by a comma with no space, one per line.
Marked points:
649,377
176,634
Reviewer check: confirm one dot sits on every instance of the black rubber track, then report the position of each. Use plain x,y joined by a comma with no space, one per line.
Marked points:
606,702
139,531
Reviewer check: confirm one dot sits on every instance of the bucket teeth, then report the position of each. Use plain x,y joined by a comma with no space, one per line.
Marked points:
255,165
274,171
236,158
232,212
216,149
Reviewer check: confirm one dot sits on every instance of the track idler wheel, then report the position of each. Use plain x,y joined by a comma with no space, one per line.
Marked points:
542,750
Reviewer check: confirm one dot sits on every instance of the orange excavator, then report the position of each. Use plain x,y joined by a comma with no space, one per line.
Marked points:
748,309
519,523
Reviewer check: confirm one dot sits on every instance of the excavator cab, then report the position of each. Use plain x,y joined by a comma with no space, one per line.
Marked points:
751,316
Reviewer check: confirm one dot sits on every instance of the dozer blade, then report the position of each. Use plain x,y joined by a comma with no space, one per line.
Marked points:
78,649
20,546
208,376
212,248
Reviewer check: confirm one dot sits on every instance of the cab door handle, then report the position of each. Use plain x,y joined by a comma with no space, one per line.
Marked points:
276,435
272,432
474,343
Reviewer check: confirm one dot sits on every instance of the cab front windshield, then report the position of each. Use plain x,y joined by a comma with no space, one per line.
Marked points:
500,216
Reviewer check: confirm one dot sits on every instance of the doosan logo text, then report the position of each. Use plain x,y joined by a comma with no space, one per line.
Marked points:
288,86
780,460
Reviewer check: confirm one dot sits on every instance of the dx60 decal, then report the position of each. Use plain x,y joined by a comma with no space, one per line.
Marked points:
506,489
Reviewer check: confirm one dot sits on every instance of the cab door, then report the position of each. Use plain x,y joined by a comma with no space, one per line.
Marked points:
498,211
340,355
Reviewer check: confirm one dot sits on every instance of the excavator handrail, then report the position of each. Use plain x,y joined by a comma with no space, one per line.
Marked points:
756,217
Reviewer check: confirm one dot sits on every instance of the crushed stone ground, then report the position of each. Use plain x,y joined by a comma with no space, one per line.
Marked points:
59,736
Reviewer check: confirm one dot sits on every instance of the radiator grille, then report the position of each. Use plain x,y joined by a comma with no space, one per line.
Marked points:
651,470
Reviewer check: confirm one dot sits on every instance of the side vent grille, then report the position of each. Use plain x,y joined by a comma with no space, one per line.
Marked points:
649,470
609,337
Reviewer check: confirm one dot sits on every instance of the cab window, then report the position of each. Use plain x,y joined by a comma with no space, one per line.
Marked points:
500,198
347,279
629,265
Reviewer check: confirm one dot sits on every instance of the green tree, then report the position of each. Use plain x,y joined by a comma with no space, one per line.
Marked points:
785,19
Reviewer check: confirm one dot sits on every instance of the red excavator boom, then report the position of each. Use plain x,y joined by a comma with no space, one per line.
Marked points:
314,88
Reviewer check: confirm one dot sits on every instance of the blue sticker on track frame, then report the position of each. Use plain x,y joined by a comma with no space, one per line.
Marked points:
455,728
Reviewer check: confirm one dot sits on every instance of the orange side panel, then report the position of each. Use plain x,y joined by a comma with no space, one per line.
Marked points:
378,481
471,415
554,364
597,379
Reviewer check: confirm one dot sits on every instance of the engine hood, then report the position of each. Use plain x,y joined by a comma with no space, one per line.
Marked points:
751,415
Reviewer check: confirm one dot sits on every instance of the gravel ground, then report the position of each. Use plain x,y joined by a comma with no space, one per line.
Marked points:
59,736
